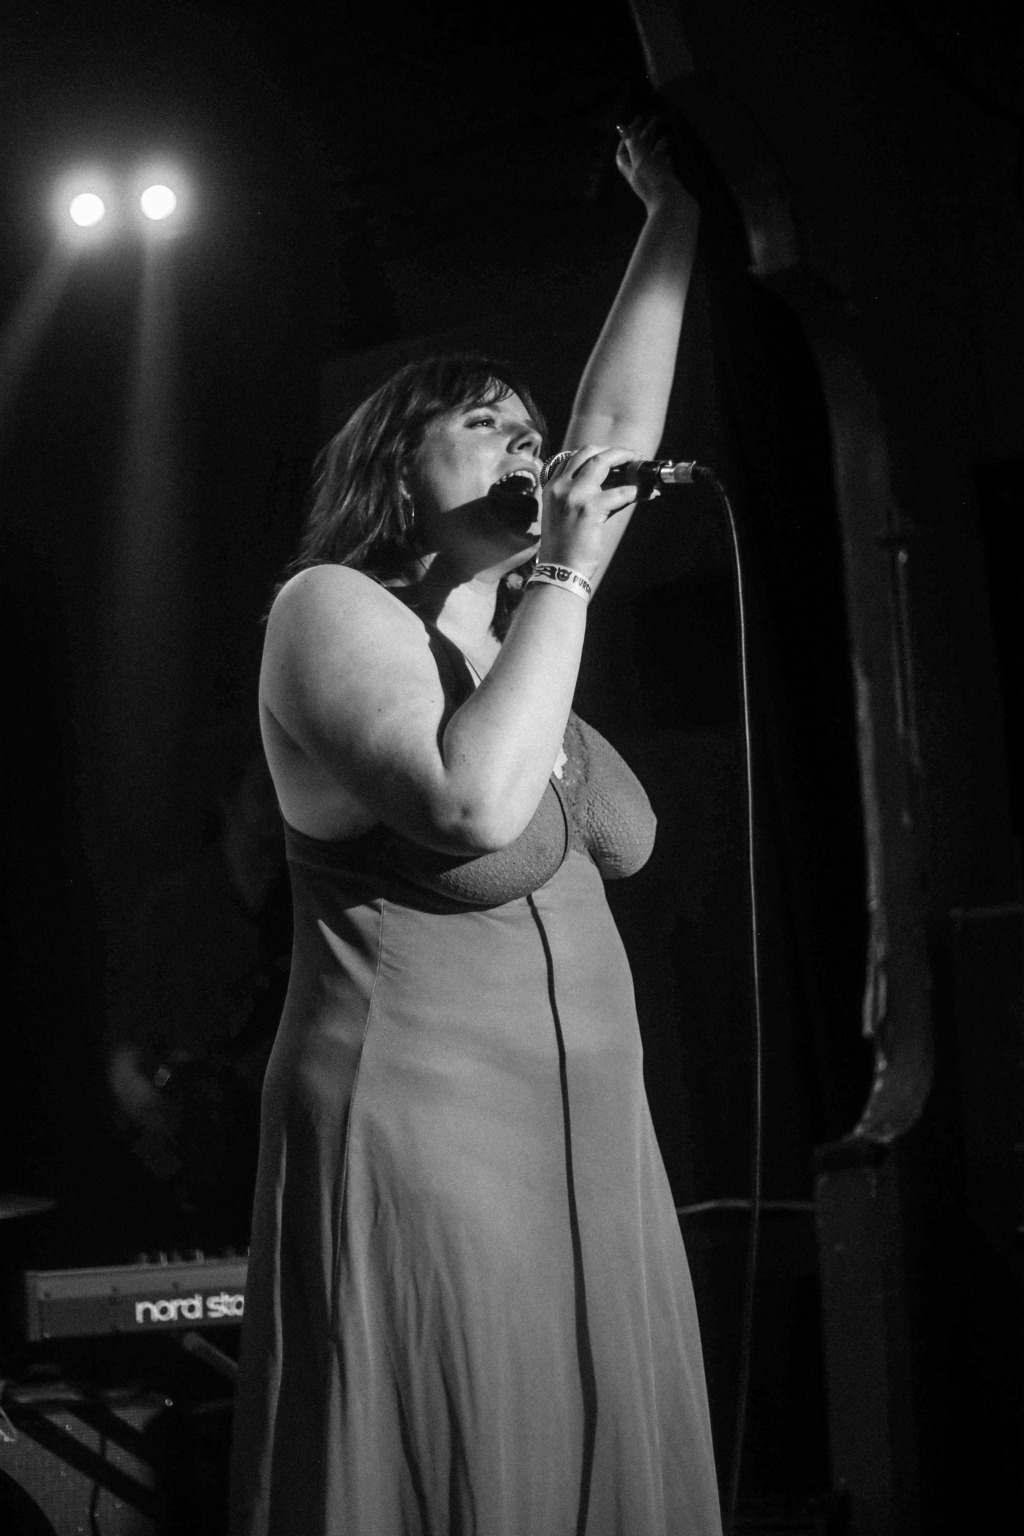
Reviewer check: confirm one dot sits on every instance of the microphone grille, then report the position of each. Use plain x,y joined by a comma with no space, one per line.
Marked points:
551,466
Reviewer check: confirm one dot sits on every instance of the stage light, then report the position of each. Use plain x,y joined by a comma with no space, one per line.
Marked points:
84,205
97,207
86,209
164,199
158,202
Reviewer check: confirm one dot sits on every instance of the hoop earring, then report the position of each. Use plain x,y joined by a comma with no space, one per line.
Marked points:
408,509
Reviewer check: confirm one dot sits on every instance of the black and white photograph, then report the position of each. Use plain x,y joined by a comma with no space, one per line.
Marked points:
512,795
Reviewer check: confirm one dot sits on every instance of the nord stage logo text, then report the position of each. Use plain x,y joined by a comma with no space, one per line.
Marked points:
216,1306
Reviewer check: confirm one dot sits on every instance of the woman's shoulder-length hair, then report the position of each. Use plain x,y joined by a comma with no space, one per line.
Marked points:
359,515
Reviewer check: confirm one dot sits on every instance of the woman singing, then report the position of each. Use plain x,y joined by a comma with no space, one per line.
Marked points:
468,1307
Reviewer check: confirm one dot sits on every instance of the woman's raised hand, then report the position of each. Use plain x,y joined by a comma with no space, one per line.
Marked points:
643,159
577,509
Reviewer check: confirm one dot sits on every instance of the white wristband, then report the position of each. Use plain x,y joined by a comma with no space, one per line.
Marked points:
562,576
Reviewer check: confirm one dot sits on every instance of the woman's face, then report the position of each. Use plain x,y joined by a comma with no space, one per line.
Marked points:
475,484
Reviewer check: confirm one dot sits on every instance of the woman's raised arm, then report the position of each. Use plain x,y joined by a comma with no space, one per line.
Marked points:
624,392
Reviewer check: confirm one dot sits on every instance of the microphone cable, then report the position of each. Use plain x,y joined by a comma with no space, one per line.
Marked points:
700,473
647,475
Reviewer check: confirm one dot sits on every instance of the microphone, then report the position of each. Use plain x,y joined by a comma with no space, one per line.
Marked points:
646,474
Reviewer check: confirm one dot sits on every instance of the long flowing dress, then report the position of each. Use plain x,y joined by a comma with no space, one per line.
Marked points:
468,1310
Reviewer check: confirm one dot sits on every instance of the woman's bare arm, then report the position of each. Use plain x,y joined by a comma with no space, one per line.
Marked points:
624,392
349,680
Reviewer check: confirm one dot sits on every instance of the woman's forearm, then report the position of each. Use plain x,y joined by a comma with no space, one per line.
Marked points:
501,744
624,392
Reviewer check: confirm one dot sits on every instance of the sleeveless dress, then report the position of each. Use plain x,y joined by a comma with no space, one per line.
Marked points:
468,1310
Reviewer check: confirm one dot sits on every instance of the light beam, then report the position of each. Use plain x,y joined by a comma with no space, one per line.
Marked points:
25,327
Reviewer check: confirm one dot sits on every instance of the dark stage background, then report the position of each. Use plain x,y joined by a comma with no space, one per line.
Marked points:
374,182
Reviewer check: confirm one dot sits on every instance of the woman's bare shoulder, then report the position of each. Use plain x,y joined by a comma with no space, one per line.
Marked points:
339,640
351,699
335,605
332,589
